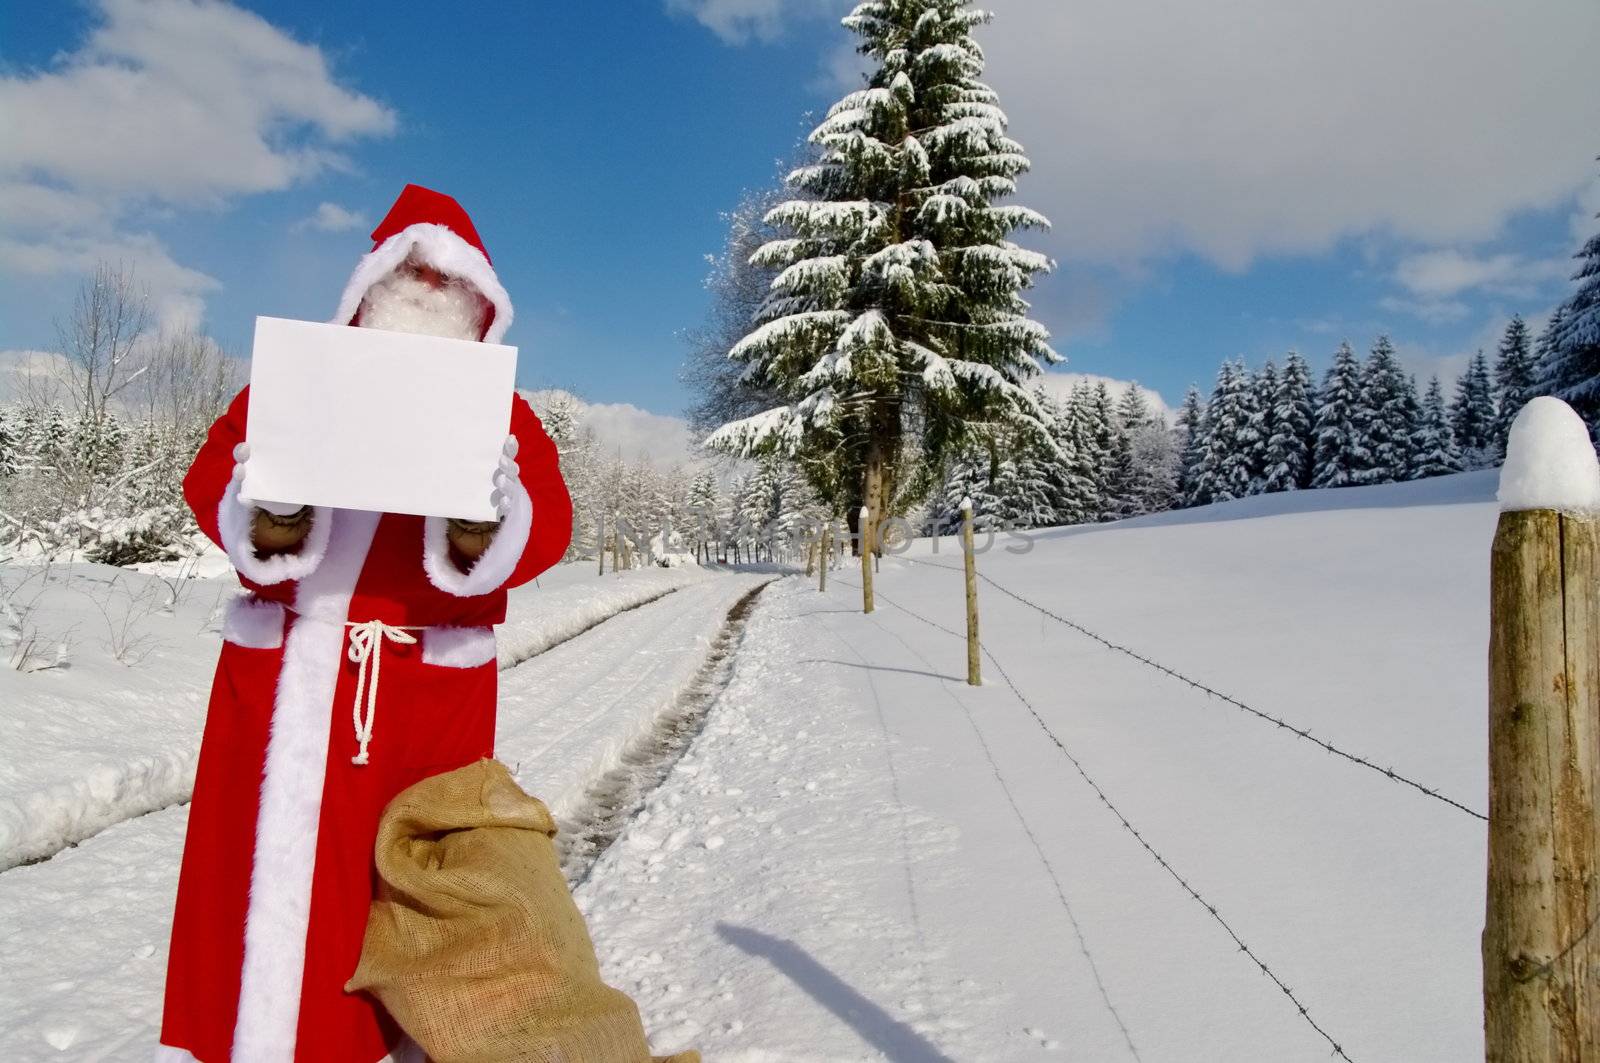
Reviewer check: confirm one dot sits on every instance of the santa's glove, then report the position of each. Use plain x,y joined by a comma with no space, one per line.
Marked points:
282,510
504,475
471,538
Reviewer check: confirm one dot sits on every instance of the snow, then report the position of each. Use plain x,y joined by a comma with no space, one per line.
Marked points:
1550,462
65,774
862,857
966,896
92,982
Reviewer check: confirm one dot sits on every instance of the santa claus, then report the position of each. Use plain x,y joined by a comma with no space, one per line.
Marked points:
301,750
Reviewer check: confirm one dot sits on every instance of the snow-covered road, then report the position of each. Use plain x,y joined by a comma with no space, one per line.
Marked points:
83,955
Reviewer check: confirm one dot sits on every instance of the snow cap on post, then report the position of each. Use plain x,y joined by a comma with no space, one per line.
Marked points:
966,504
1550,462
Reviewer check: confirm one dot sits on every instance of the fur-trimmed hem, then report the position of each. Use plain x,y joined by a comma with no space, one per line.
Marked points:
293,777
497,563
233,521
445,252
458,647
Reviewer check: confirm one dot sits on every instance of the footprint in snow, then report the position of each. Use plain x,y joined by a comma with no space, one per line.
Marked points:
61,1038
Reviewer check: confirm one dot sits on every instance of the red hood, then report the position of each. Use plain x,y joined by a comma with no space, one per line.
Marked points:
433,226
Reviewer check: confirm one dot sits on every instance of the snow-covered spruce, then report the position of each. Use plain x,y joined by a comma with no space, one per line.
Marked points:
1569,366
896,309
1472,415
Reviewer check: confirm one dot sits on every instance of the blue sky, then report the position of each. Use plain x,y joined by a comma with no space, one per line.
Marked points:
1258,177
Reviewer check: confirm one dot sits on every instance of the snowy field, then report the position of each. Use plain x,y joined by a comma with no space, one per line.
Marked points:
863,858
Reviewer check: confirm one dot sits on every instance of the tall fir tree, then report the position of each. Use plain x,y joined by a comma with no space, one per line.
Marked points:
1386,418
1472,415
1143,466
1341,450
1546,359
973,474
1433,448
1191,426
1572,369
1073,495
1264,418
1230,436
1515,379
10,443
896,326
1289,448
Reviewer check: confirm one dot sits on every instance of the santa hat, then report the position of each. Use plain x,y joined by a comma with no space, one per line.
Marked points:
435,228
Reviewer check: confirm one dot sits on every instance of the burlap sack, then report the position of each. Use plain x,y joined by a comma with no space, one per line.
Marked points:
474,945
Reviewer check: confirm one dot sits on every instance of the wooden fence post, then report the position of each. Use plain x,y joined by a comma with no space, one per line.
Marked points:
1541,949
974,676
866,560
827,559
600,543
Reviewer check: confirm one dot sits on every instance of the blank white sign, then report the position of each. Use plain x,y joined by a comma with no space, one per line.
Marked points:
360,418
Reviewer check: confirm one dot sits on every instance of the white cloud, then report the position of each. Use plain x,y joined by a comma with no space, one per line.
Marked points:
17,367
1242,128
1249,127
1059,385
332,218
168,104
625,429
1432,310
1586,219
176,292
1445,273
740,21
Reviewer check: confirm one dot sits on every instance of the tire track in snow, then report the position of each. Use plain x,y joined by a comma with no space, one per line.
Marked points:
611,803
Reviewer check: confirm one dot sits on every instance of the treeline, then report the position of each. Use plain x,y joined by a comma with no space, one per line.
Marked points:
1259,431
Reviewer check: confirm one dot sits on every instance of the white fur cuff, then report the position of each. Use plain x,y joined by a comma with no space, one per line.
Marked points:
234,519
458,647
253,623
497,563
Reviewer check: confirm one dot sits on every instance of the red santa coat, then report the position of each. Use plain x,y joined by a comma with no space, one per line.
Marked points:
278,870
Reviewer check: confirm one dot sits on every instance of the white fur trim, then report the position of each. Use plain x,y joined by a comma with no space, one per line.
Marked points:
458,647
234,520
291,797
168,1054
497,562
253,623
444,251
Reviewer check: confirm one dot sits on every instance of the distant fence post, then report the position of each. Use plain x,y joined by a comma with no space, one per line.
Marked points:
1541,949
600,543
826,558
866,560
974,677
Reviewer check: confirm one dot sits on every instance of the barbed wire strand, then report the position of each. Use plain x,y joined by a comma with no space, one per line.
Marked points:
1301,732
1211,909
1022,821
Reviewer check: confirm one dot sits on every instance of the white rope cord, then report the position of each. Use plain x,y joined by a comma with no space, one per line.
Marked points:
366,645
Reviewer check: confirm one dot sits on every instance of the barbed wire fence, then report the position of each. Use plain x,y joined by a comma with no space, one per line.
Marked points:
1027,829
1211,909
1277,721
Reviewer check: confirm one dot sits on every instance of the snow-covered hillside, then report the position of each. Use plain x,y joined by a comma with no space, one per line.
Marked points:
861,857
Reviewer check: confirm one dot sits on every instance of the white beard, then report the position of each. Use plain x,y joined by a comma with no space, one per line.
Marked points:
403,303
